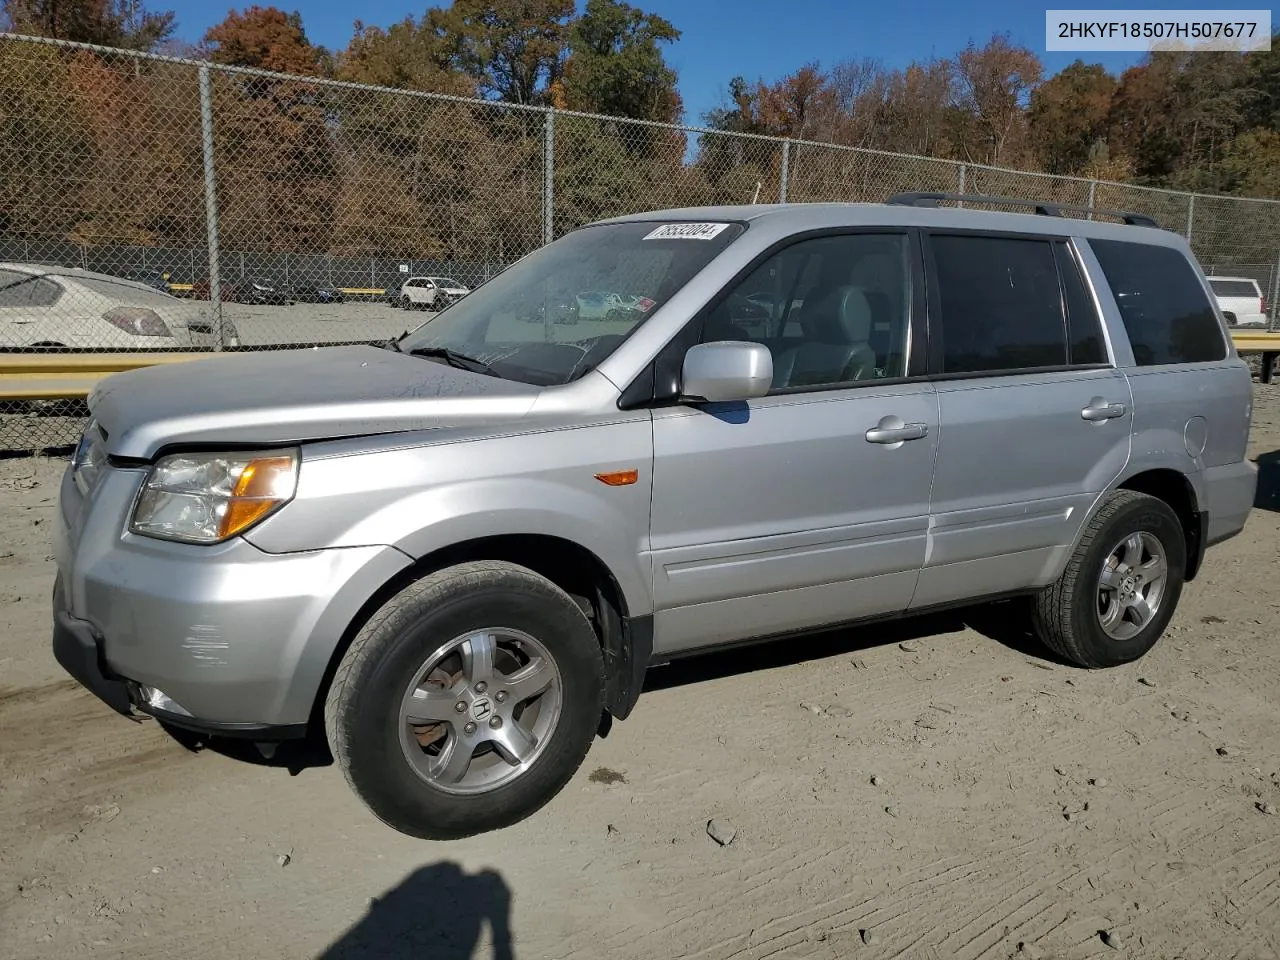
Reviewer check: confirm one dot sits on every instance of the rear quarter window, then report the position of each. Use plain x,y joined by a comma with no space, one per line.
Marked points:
1233,288
1166,313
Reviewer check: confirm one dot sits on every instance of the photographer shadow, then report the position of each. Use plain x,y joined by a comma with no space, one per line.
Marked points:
438,913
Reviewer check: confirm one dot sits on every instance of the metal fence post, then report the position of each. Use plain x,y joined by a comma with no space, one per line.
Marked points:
1093,189
548,176
1275,295
786,169
211,207
1191,214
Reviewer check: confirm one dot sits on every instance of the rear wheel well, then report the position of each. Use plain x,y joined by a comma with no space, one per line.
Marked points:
573,568
1175,490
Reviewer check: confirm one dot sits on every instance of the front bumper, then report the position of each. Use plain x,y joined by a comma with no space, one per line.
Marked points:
238,640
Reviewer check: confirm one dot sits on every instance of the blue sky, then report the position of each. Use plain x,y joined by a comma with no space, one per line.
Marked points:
722,38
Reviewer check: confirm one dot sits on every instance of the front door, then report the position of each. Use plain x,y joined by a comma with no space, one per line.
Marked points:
809,506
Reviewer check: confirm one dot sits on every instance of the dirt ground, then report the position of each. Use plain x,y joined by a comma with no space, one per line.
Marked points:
934,789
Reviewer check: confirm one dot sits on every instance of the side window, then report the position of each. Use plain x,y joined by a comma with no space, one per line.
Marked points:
1084,328
832,310
45,293
1000,304
15,289
1165,310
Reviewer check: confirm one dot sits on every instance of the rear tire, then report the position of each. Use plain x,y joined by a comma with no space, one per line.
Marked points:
1131,558
423,654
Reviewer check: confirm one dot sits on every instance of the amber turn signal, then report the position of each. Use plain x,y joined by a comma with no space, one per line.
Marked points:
619,478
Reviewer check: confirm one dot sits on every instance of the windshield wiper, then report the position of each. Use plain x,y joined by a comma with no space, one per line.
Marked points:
453,358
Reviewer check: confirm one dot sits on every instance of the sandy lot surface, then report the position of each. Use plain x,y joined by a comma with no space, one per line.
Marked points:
938,788
320,322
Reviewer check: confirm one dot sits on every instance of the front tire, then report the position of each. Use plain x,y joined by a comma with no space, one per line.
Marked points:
1121,585
467,701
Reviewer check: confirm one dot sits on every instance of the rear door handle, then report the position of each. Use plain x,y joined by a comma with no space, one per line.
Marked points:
1099,409
895,430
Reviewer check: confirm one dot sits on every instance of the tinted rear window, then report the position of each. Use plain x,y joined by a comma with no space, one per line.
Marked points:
1166,314
1233,288
1001,304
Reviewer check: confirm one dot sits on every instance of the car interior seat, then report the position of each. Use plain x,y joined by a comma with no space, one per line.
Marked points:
837,347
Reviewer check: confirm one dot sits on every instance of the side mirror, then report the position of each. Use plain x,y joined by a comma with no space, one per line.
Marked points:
726,371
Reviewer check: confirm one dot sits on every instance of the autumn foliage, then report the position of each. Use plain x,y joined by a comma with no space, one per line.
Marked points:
102,149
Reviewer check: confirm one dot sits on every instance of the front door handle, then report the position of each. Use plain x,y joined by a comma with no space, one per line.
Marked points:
1098,409
895,430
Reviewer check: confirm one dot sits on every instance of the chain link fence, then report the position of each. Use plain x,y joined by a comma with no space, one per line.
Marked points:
150,202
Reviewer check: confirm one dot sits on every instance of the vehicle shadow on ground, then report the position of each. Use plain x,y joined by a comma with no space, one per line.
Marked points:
292,755
1267,496
437,913
1004,622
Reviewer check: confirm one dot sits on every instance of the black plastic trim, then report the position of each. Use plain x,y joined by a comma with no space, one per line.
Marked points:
1016,372
626,665
260,732
1200,543
78,650
1042,207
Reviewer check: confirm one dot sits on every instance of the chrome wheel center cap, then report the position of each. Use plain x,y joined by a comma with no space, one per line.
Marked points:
481,708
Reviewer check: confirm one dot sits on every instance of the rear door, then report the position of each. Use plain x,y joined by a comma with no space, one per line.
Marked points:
1191,394
1035,418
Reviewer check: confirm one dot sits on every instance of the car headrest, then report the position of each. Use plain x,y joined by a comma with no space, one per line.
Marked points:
845,315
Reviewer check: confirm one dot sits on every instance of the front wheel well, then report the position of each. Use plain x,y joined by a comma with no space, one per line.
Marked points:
1174,489
571,567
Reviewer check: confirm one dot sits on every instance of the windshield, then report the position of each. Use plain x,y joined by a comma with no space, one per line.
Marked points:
560,311
445,282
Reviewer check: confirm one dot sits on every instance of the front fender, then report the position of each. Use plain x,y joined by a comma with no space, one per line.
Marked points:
422,499
614,528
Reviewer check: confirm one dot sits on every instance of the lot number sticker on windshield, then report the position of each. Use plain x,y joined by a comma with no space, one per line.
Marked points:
687,231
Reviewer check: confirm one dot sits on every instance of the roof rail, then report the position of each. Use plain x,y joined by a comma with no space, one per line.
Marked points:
1042,207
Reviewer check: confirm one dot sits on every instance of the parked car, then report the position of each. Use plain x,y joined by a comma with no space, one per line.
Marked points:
431,293
456,556
1241,301
51,307
157,279
563,309
598,304
243,290
322,293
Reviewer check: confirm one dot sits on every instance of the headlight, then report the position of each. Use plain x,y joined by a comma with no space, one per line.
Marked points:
208,497
86,463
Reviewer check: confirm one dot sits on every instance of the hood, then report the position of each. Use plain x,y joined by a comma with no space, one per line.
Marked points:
290,396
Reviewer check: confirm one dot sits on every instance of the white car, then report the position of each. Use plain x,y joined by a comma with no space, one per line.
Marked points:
46,306
1241,300
431,293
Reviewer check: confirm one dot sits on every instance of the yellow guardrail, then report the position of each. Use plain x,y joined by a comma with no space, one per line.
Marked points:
56,376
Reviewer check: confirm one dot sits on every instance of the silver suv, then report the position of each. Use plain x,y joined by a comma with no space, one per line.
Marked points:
457,555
